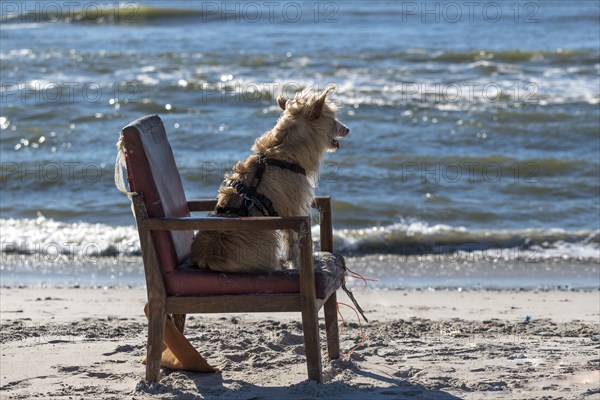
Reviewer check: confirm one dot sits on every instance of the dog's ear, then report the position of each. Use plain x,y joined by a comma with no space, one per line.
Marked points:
315,110
281,101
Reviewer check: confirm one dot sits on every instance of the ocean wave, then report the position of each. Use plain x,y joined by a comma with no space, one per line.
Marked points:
50,238
117,13
506,60
419,238
475,79
556,57
529,169
444,95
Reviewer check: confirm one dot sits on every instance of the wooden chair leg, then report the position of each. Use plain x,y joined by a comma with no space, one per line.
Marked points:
156,327
331,327
179,320
312,346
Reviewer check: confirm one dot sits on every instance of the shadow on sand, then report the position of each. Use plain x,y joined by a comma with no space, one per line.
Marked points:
190,386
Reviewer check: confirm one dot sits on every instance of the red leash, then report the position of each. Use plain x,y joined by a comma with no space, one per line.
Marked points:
355,275
362,333
359,276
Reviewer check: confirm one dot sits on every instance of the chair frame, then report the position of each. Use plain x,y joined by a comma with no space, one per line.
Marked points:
161,305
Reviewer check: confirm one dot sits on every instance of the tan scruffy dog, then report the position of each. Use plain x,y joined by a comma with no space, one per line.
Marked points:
278,179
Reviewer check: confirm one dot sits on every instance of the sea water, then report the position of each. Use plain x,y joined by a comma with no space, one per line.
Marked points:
474,144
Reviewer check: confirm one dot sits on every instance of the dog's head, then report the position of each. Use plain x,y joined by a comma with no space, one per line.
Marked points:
316,112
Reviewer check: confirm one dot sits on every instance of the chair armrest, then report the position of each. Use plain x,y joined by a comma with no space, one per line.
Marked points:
198,205
298,224
202,205
322,203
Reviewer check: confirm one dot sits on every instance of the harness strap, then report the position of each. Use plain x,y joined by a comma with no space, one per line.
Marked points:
256,198
260,169
239,211
286,165
250,196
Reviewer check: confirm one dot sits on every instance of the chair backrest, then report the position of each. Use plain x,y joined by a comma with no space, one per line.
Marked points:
151,171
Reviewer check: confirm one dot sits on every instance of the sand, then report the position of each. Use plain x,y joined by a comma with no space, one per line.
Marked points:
88,343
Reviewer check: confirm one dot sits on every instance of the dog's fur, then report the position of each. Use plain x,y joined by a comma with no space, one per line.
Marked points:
305,131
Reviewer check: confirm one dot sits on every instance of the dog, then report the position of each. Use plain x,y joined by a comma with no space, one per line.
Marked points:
280,178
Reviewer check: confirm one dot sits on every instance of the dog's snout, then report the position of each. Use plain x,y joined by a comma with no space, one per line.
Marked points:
342,129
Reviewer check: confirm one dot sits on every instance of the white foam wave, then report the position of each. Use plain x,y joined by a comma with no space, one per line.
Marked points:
30,25
419,238
47,236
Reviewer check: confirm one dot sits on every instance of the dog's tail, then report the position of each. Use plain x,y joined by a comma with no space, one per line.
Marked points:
236,251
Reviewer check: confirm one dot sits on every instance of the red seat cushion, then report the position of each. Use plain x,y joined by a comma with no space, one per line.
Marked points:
190,281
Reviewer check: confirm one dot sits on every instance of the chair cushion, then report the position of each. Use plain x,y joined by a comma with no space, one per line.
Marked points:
151,171
190,281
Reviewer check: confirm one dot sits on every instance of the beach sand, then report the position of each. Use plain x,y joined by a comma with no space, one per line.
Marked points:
88,343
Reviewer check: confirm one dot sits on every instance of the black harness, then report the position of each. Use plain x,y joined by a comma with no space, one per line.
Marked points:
250,196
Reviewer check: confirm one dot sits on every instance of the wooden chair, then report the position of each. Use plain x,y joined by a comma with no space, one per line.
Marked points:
166,228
